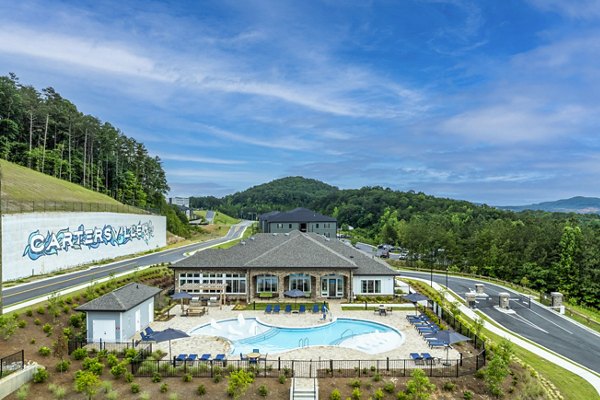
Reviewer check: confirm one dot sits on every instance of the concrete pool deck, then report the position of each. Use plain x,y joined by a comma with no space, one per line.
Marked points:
413,342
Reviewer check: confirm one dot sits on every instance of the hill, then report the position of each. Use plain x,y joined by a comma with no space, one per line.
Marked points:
578,204
21,187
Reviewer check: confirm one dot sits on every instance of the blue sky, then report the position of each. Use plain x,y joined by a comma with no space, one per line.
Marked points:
487,101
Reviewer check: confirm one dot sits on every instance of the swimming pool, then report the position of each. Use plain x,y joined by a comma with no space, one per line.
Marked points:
247,334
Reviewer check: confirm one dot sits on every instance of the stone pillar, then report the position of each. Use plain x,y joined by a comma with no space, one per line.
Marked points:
557,299
470,299
479,288
504,300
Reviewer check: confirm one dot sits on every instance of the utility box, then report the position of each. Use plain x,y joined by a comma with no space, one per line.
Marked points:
557,299
479,288
504,300
471,297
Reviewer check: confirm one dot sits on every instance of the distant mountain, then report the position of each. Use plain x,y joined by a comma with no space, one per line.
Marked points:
578,204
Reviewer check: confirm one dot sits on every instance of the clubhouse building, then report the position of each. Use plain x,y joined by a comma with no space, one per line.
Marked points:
268,264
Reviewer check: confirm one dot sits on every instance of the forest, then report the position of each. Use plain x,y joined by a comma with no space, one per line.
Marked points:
46,132
541,250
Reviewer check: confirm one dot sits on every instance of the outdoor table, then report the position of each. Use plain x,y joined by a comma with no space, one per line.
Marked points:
253,357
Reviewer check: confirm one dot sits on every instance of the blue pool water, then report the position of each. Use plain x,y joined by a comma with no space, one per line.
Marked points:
249,334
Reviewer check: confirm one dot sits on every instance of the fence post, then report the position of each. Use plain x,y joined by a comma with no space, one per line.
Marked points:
404,369
331,366
22,359
387,364
457,368
359,368
477,363
292,368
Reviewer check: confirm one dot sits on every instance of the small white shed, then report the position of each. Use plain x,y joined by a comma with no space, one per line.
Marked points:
118,315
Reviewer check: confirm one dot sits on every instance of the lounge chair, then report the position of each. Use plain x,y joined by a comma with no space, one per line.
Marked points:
243,358
315,308
149,331
191,357
276,309
288,308
436,343
219,357
427,357
302,309
181,357
416,357
324,308
145,337
268,309
205,357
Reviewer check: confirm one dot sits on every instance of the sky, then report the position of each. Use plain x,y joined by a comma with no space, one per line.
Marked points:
494,102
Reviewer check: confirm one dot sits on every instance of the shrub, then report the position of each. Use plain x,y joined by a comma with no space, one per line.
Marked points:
63,366
356,394
282,379
238,383
468,395
23,392
75,321
44,351
263,391
156,377
69,300
79,354
376,377
187,377
389,387
59,392
112,360
68,332
47,328
355,383
135,388
419,386
118,370
217,378
201,391
164,388
449,386
335,395
32,341
378,395
131,354
29,312
37,321
93,365
22,323
106,386
128,377
40,375
40,310
112,395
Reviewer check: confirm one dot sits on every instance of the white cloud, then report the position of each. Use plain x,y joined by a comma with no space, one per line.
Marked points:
578,9
197,159
87,53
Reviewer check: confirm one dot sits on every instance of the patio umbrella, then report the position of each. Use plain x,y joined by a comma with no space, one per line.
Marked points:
180,296
414,298
169,334
294,293
450,337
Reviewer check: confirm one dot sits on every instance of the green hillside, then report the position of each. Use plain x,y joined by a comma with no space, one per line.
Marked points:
24,189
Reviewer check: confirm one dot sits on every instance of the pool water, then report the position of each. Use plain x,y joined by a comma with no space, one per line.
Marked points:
248,334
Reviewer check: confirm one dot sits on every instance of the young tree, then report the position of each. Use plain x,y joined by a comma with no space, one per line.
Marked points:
419,387
87,383
494,374
238,383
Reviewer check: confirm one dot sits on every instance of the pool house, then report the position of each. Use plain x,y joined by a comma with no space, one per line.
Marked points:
266,265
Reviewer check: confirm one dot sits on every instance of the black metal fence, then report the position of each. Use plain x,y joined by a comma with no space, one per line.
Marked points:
12,207
438,367
12,363
117,348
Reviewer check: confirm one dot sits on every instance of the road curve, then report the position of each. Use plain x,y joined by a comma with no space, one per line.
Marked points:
35,289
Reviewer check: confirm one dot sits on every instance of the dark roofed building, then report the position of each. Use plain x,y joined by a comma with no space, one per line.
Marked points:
266,265
300,219
118,315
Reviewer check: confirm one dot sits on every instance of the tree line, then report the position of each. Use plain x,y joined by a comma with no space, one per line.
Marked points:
46,132
545,251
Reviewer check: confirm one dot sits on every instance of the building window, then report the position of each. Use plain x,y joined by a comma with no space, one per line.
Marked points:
290,226
279,226
300,282
370,286
317,226
266,283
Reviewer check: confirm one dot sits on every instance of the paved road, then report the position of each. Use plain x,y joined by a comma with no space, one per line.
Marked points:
539,324
45,287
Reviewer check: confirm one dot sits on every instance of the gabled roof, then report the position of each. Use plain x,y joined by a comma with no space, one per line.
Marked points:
121,299
297,215
294,250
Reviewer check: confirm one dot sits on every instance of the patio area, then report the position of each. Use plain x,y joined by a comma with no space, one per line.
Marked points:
413,342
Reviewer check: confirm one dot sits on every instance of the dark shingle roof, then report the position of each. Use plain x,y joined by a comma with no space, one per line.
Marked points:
298,215
294,250
122,299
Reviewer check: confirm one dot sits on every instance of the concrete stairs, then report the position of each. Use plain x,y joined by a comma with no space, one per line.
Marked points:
304,389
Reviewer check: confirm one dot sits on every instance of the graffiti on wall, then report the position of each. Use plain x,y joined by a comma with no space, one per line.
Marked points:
53,243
